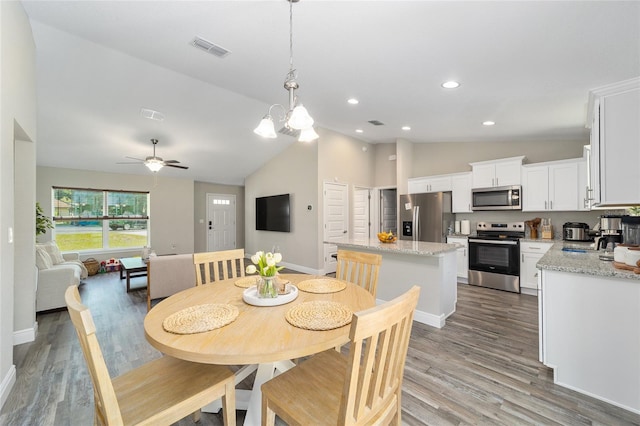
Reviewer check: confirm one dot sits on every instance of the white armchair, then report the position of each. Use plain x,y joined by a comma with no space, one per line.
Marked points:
56,272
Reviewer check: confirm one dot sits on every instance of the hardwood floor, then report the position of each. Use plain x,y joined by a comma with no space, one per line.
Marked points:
480,369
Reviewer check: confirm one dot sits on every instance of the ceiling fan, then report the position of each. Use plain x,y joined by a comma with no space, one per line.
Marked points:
154,163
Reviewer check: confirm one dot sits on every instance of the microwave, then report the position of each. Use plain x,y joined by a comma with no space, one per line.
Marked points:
497,198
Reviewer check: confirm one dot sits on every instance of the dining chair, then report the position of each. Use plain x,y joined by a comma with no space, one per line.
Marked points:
359,268
218,265
362,387
160,392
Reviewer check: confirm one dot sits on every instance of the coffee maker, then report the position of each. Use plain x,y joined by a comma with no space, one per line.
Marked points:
610,231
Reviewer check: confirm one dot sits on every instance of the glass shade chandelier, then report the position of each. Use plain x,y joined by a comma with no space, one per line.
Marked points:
296,119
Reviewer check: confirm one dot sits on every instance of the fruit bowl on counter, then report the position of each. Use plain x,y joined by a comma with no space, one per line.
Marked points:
387,237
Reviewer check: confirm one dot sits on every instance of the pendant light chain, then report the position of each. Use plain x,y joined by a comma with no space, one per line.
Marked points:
290,36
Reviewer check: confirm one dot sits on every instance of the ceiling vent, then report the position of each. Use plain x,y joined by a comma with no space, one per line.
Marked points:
376,122
286,130
151,114
209,47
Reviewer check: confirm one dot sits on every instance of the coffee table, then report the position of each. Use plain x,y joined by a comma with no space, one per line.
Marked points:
132,267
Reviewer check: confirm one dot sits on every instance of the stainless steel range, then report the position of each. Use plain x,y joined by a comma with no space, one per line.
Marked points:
494,255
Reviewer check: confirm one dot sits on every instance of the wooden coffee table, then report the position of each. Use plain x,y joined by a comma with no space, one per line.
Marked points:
132,267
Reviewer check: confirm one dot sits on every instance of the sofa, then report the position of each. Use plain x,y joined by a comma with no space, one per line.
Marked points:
56,272
169,274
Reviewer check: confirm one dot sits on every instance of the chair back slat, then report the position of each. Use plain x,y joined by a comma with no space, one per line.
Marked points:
107,408
218,265
359,268
378,349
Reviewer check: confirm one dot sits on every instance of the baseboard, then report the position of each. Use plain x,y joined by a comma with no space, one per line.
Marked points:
302,269
25,336
424,317
7,384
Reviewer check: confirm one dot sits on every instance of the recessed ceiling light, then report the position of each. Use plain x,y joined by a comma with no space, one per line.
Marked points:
406,128
359,131
353,101
488,123
450,84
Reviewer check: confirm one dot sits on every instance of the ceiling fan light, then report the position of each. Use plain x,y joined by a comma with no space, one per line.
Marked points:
300,118
308,135
266,129
154,165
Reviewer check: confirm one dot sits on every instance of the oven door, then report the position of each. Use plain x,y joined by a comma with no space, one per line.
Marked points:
496,256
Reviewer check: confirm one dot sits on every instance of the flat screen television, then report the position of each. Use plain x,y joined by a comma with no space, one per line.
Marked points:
273,213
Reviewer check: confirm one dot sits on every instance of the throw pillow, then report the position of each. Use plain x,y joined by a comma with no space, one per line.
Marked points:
43,260
54,252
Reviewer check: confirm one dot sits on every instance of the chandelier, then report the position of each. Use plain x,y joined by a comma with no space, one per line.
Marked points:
296,119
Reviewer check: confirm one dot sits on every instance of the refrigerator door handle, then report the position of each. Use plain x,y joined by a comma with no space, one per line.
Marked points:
416,223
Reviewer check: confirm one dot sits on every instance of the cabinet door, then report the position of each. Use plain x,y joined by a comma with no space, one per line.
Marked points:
508,173
484,175
461,193
584,195
620,148
594,157
417,186
535,188
528,270
462,256
563,187
441,183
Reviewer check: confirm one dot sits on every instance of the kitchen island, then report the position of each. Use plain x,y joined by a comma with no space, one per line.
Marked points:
432,266
590,325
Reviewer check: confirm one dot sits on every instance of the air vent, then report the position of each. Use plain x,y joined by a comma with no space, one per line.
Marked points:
286,130
376,122
151,114
209,47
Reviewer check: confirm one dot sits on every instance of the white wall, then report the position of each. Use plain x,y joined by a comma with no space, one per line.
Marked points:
171,209
17,122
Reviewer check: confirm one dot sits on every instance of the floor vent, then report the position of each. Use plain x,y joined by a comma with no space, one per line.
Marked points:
209,47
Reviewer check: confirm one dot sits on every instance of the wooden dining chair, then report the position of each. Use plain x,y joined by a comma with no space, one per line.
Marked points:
359,268
361,388
218,265
160,392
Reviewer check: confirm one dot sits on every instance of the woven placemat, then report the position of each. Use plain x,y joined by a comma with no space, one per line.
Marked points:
200,318
322,285
246,282
319,315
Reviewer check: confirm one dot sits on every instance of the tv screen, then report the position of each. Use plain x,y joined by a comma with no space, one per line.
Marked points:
272,213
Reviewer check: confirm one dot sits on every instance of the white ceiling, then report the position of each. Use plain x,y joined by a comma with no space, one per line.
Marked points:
527,65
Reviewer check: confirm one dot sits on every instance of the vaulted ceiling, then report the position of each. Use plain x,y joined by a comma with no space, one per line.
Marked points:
526,65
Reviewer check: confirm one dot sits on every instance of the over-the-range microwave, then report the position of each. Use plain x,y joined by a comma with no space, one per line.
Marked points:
497,198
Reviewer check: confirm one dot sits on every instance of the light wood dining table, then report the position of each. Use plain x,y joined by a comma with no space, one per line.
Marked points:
260,335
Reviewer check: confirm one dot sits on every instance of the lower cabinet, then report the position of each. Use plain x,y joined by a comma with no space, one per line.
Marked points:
462,257
530,255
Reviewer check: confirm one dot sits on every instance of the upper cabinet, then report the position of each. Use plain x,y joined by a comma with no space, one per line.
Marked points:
614,177
503,172
461,192
552,186
429,184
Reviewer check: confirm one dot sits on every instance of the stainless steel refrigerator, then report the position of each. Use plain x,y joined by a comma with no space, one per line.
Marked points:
425,217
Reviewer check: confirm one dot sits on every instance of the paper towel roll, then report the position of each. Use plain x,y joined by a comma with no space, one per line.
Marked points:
457,227
465,227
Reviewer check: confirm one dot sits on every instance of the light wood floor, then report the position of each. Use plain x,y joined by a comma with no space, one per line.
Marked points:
480,369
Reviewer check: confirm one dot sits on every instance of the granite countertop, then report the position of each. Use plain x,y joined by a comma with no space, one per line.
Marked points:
420,248
584,260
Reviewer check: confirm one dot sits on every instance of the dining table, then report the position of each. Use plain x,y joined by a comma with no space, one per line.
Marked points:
263,339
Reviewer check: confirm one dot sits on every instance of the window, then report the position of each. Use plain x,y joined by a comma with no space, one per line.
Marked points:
98,219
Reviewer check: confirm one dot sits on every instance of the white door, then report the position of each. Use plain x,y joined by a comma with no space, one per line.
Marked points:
221,222
336,216
361,219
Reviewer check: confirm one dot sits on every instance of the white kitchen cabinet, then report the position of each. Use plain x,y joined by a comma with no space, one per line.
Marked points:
615,143
503,172
530,255
462,257
461,192
551,186
429,184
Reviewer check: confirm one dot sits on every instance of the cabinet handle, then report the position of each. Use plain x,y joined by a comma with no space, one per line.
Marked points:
497,184
464,251
493,183
551,205
536,275
522,255
545,205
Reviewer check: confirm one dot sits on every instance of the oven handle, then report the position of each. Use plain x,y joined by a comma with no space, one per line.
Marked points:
504,242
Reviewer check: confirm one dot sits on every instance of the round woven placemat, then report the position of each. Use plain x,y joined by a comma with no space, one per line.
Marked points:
319,315
200,318
322,285
246,282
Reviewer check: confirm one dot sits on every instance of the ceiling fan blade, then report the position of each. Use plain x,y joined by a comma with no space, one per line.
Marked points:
134,158
176,166
171,161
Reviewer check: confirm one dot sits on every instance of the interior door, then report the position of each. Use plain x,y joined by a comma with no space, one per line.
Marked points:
221,222
361,214
336,216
